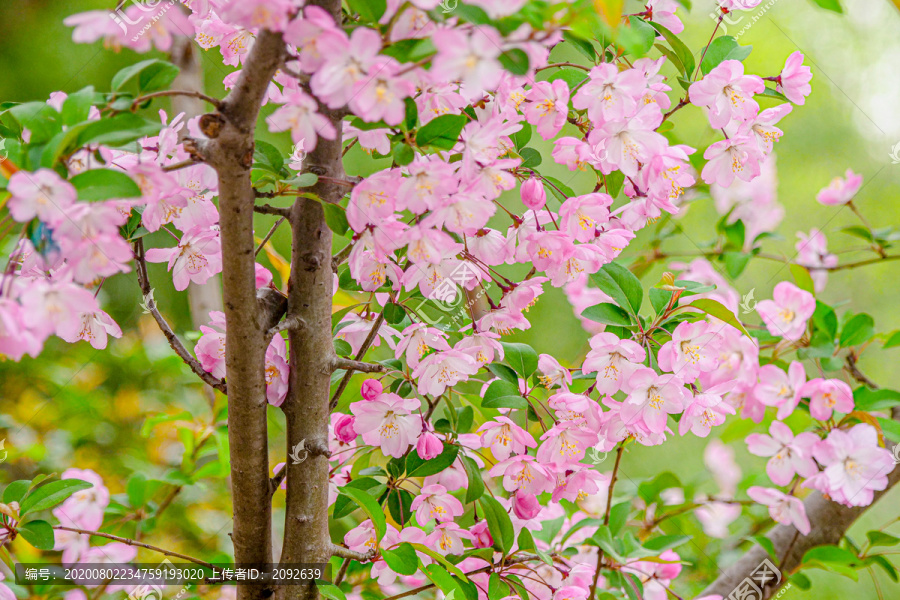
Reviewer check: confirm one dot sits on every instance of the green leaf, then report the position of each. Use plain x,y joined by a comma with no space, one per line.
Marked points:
884,564
152,75
370,506
832,5
718,310
402,559
504,373
336,218
621,285
825,319
440,558
868,400
15,491
880,538
77,106
51,494
515,61
403,154
723,48
136,489
681,51
417,467
531,158
858,330
736,262
499,524
268,156
39,118
608,314
614,183
803,278
766,544
638,38
497,589
39,534
832,558
502,394
521,357
104,184
394,313
659,299
666,542
618,515
441,132
399,505
893,340
475,487
583,46
522,137
117,131
370,11
330,591
890,428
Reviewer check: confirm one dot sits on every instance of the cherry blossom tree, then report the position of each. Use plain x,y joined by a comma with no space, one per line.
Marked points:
425,452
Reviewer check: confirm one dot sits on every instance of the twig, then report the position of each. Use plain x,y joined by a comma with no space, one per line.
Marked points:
340,362
193,94
268,209
294,322
269,235
609,497
181,165
164,326
131,542
342,572
338,259
342,552
376,326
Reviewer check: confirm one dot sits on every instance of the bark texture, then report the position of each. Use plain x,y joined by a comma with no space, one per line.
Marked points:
230,152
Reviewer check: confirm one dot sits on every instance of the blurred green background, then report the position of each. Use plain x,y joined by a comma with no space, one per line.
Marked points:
103,397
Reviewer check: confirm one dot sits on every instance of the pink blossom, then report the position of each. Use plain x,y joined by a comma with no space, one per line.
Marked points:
786,315
565,443
715,517
789,454
210,348
277,371
794,79
196,258
826,396
94,328
300,115
525,506
727,94
371,389
693,349
523,473
84,507
762,127
652,398
779,388
533,194
855,466
614,361
354,330
258,14
783,508
581,216
840,191
738,157
812,253
547,107
610,94
344,427
705,411
433,502
362,538
663,12
481,535
346,62
576,482
503,438
472,58
447,538
56,307
483,347
388,422
429,445
380,95
441,370
719,459
42,194
553,373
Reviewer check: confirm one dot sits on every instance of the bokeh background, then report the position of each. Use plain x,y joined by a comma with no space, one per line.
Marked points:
78,406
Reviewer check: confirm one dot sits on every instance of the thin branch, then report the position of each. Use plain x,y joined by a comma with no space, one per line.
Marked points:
376,326
268,209
269,235
338,259
275,481
489,568
340,362
342,552
181,165
164,326
131,542
562,64
342,572
293,322
193,94
609,497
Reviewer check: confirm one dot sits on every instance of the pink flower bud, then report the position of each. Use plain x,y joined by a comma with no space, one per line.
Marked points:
482,535
429,446
533,194
526,506
344,429
371,389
